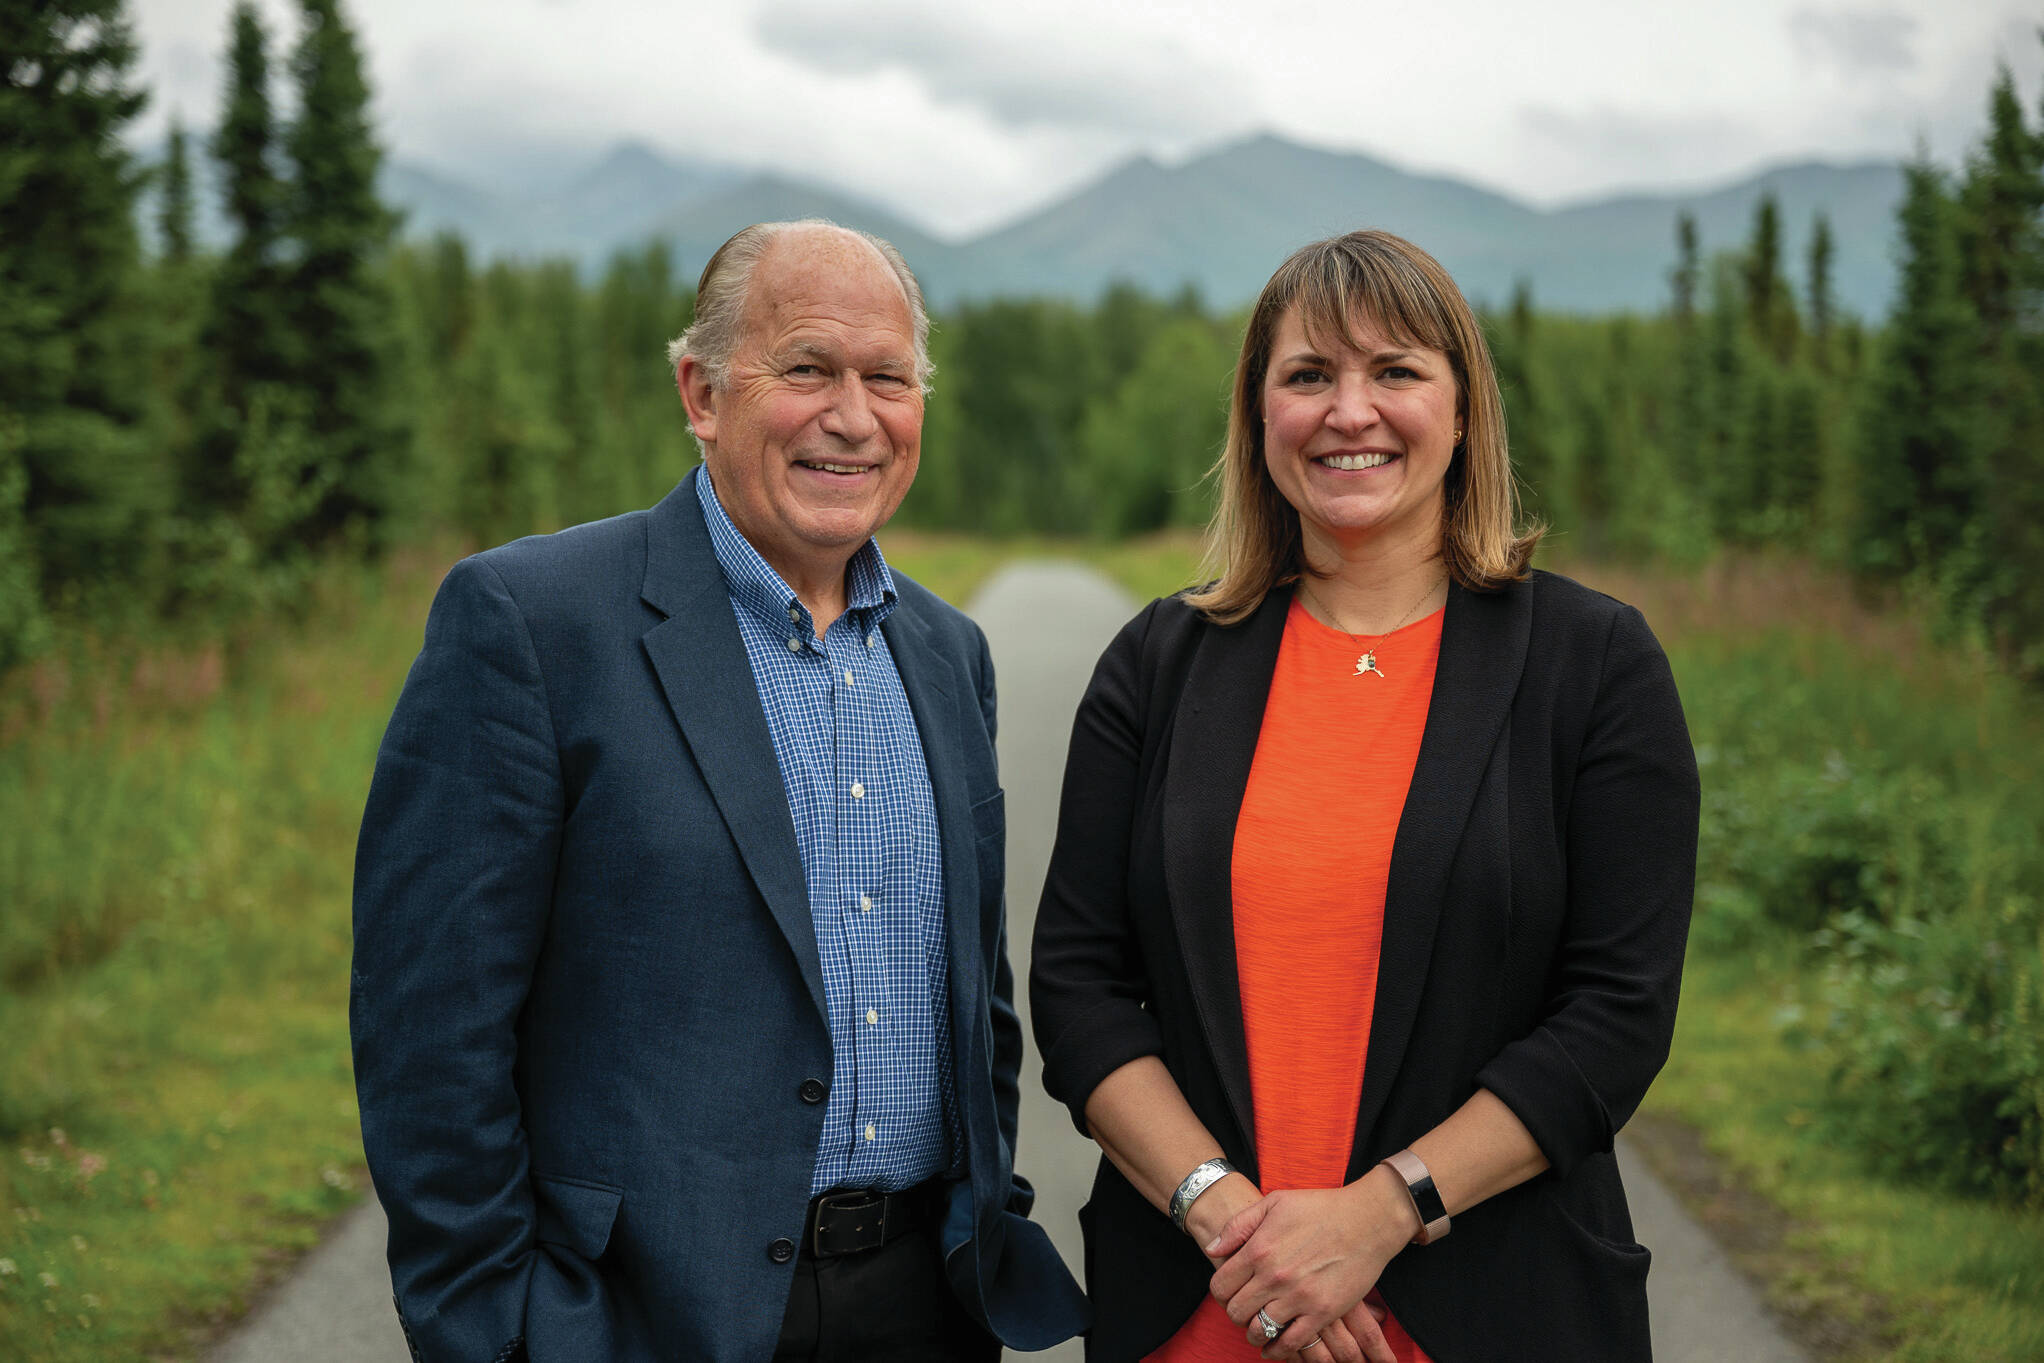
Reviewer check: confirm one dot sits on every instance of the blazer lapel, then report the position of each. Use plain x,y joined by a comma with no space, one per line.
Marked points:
927,678
1483,652
1213,743
701,662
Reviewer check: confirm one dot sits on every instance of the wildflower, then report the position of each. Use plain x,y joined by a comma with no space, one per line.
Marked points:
78,1243
7,1268
91,1166
47,1279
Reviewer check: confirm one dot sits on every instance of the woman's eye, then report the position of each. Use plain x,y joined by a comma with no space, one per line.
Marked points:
1304,376
1399,371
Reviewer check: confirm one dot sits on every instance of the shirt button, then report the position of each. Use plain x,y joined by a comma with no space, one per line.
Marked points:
858,790
848,676
871,1134
813,1091
794,644
870,638
865,903
873,1016
781,1250
794,612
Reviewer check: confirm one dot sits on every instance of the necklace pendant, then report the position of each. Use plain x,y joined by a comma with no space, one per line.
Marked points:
1368,663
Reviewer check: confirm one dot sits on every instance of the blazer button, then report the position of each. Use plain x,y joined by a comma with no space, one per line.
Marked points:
813,1091
782,1250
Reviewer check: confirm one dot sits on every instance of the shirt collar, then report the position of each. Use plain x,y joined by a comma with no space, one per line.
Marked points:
869,585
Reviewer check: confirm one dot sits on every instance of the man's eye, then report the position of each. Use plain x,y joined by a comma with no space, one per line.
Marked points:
804,369
886,378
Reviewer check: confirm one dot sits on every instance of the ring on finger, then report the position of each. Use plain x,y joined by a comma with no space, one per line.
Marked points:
1271,1329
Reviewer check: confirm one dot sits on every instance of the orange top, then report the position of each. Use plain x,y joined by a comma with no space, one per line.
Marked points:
1312,855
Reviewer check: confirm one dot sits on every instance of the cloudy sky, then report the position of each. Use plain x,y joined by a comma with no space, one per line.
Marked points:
961,115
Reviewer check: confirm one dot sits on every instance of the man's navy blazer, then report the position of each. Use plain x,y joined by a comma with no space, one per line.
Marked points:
587,1007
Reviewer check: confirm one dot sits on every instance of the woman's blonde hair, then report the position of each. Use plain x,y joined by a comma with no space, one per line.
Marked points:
1253,543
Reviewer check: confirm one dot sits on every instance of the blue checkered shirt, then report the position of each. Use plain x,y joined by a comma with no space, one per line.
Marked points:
851,759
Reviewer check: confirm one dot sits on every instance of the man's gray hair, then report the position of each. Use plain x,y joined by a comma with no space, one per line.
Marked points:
721,297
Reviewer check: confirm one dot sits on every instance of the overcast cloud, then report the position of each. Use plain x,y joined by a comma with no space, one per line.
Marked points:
962,117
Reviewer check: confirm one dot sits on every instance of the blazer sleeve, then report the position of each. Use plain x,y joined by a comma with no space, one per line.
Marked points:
1087,984
1007,1027
453,877
1631,857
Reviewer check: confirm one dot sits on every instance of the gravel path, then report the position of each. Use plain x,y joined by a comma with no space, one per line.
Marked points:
1047,623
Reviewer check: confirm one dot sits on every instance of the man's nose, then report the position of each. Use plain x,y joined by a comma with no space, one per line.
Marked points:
851,417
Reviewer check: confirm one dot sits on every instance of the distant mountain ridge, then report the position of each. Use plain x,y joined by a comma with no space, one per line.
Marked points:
1220,222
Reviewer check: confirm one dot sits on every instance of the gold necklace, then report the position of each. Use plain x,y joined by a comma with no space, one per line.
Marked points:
1367,663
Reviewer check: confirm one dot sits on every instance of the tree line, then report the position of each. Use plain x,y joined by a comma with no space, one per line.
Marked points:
184,431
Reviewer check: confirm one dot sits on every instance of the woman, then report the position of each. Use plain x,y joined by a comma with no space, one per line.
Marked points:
1372,879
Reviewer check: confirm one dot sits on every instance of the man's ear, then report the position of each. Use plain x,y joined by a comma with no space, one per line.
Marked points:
698,397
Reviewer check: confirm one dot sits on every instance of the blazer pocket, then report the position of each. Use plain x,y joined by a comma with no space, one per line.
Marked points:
574,1214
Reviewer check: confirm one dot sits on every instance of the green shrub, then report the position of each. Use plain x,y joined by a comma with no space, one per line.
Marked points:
1936,1030
1794,846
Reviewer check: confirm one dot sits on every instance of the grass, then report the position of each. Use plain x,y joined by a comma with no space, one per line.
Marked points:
176,825
1887,1270
1778,664
176,1104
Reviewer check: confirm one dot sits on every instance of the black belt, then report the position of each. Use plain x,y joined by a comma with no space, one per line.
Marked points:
849,1222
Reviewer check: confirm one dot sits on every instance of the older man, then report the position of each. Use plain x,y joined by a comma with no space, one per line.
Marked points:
681,1001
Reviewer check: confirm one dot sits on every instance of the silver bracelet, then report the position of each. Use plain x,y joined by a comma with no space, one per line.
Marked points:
1198,1181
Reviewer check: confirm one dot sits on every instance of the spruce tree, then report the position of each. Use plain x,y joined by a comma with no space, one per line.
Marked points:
78,499
174,203
247,336
1687,271
342,312
1768,308
1821,302
1920,447
2000,198
2002,238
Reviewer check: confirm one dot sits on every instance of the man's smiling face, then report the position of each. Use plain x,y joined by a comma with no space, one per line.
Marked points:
814,436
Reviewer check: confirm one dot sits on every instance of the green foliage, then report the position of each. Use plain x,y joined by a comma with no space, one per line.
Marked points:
174,209
1883,819
341,310
1823,306
24,628
67,264
1936,1025
1146,444
1921,466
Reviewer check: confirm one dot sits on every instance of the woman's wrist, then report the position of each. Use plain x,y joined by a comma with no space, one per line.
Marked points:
1384,1211
1213,1209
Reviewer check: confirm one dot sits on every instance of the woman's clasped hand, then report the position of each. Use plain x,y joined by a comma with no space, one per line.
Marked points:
1309,1259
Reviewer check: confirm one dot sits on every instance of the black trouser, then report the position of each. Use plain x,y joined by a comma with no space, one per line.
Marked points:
885,1305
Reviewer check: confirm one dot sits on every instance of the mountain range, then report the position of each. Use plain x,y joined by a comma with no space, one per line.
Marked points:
1220,222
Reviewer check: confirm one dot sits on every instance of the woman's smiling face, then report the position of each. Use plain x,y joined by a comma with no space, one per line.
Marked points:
1358,431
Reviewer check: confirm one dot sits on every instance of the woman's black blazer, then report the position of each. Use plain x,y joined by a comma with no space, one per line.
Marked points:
1538,904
